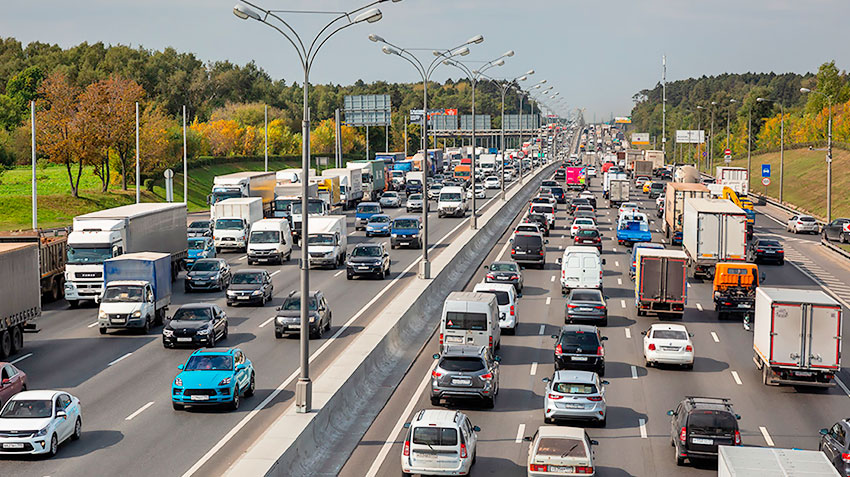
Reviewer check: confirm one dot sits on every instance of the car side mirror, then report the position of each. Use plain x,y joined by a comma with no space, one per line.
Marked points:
6,381
527,438
823,432
558,261
62,414
476,428
545,380
738,417
97,299
279,308
594,442
180,367
605,383
546,242
407,425
554,337
240,367
436,356
643,333
604,338
671,413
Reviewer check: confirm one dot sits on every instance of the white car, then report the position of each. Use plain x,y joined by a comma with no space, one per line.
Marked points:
42,420
560,450
439,442
390,199
528,227
572,394
506,300
492,182
434,191
803,223
668,344
480,192
591,172
627,207
581,223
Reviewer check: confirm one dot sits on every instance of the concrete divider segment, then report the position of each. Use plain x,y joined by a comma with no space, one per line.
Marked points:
353,389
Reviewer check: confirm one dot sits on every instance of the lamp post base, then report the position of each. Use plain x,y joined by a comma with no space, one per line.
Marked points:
425,270
303,395
473,221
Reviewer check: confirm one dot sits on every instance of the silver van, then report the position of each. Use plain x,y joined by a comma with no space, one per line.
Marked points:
470,318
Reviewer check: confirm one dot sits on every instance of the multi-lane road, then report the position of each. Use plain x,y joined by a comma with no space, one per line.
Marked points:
124,379
636,440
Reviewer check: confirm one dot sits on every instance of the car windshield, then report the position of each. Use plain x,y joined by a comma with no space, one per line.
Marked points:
228,224
464,364
283,204
527,228
192,314
379,219
200,224
574,388
456,320
320,239
670,334
265,236
561,446
209,363
435,436
313,207
366,252
573,341
122,294
502,297
405,224
197,244
294,304
586,295
713,422
503,267
247,278
414,197
768,243
27,408
202,266
88,254
450,197
369,209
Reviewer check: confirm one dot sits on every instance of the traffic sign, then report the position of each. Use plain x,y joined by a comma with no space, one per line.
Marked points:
727,152
766,181
765,170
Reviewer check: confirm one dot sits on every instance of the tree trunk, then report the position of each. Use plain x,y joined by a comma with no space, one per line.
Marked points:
105,171
71,177
79,174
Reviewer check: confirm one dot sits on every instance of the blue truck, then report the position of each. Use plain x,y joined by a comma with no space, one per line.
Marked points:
633,228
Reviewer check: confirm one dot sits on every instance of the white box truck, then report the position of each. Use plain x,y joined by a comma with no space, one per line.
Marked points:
797,336
137,291
327,241
618,192
101,235
656,158
21,293
714,230
234,218
739,461
736,178
241,185
287,193
350,183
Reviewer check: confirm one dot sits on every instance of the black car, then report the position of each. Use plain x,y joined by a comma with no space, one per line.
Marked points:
548,183
838,229
368,259
288,318
588,305
577,201
529,248
195,324
208,274
561,175
835,443
251,285
199,228
540,220
764,250
580,347
505,272
699,425
559,193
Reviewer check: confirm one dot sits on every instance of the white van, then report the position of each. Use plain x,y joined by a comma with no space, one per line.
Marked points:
452,202
270,241
327,241
439,442
506,300
470,318
581,267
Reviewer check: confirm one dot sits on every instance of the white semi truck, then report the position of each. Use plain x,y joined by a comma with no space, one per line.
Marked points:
241,185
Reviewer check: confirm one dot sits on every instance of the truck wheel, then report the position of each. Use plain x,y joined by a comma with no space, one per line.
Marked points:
5,344
17,339
102,331
147,327
56,289
73,303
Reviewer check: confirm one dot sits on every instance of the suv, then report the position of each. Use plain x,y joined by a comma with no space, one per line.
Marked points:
465,372
529,248
699,425
213,376
368,259
439,441
835,443
288,318
580,347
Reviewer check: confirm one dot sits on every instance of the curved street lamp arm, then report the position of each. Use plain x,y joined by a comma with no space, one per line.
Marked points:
347,16
302,52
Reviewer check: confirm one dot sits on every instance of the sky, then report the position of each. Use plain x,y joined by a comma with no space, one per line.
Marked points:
596,54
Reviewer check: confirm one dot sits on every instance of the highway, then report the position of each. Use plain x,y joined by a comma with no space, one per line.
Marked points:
124,379
636,440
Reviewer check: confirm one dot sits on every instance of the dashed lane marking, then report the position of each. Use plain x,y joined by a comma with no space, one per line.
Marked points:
737,378
275,272
623,303
616,263
634,372
22,358
520,433
552,278
837,380
628,333
139,411
263,324
619,281
533,368
548,300
766,436
119,359
339,273
714,337
92,325
542,329
642,425
699,307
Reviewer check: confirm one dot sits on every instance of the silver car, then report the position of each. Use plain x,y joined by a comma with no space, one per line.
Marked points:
390,199
464,372
802,223
414,203
575,395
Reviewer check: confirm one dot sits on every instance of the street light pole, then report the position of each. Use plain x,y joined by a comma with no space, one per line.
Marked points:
306,55
711,140
828,154
699,128
505,86
34,185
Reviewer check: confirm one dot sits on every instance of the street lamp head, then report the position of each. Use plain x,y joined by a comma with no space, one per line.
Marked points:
733,100
245,13
376,38
508,54
371,16
499,63
714,103
522,78
461,52
390,50
475,39
700,107
760,100
805,90
530,72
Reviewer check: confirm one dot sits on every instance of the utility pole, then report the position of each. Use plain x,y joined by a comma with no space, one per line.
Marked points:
137,153
266,150
185,168
34,184
405,136
664,103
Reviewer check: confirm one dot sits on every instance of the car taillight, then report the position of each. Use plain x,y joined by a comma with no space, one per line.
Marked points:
514,277
441,339
487,376
555,397
737,438
541,253
780,251
490,276
594,398
406,450
689,348
683,434
563,274
558,349
759,250
845,457
513,251
463,454
491,342
651,346
571,305
599,307
538,467
512,310
435,374
583,469
600,351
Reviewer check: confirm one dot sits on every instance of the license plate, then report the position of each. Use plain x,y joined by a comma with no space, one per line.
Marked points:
13,445
501,278
363,268
769,251
579,358
454,339
119,320
461,381
242,297
573,405
404,243
200,397
706,442
184,340
803,373
561,468
585,309
743,305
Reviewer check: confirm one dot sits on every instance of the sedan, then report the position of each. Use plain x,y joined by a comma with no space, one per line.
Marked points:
208,274
586,305
368,259
434,191
414,203
668,344
492,182
763,250
582,224
378,224
505,272
390,199
838,229
51,417
13,381
195,324
802,223
250,285
575,395
480,192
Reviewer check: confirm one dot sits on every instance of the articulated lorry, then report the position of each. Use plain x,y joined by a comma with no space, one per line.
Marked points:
101,235
242,185
51,256
661,282
21,302
674,207
137,292
350,184
714,230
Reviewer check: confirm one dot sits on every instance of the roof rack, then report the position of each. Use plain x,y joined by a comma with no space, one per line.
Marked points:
710,400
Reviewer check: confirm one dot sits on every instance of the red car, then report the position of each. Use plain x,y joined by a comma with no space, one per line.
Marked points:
12,381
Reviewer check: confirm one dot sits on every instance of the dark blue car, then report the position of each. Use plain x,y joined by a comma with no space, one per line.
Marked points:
365,211
406,231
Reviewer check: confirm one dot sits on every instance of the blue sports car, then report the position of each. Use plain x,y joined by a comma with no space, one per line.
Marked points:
213,376
378,225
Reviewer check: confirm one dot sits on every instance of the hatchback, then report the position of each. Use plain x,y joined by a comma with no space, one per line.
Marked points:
378,224
586,305
764,250
464,372
699,425
582,224
575,395
439,442
580,347
390,199
213,377
802,223
505,272
492,182
559,450
588,237
414,203
208,274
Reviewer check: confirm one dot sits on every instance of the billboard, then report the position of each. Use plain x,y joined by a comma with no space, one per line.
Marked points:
367,110
623,120
529,121
640,139
690,136
482,122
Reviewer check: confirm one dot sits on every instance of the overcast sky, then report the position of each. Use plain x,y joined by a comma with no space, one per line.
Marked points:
597,54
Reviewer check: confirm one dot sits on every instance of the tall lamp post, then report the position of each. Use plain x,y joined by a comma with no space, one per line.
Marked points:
307,55
728,115
425,72
781,142
531,115
828,153
474,76
699,128
711,139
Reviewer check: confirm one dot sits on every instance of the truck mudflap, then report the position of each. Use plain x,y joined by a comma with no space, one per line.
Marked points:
668,308
737,306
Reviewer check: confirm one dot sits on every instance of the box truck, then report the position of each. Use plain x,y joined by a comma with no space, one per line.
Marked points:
374,177
101,235
136,293
350,184
327,241
316,207
633,155
286,194
714,230
642,169
618,191
656,158
797,336
242,185
674,207
52,252
739,461
234,218
661,282
736,178
21,301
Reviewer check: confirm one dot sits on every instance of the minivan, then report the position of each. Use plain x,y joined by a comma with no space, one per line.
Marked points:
506,300
452,202
581,267
529,248
439,442
270,241
406,231
470,318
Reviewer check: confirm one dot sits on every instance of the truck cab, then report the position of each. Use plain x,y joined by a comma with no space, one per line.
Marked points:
315,208
87,250
735,286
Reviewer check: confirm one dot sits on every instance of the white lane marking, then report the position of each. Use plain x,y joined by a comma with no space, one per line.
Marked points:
634,372
22,358
275,272
548,300
689,284
837,380
560,247
552,279
628,333
699,307
714,337
623,303
141,409
737,378
614,249
766,436
619,281
616,263
642,425
243,257
520,433
533,369
663,241
263,324
92,325
399,426
542,329
339,273
119,359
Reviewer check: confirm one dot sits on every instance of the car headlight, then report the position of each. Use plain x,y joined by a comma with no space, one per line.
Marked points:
231,293
257,292
167,332
42,432
312,319
178,382
204,331
102,315
136,314
394,235
224,381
